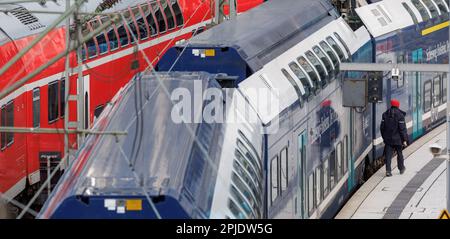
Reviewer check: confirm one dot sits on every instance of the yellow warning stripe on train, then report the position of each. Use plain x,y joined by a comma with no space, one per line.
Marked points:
435,28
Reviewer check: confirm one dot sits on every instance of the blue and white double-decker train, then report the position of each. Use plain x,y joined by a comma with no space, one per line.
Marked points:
310,166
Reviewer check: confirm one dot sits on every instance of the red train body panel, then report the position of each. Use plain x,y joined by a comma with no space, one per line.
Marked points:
34,105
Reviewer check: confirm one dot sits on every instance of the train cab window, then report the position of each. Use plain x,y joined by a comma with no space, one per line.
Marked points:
436,91
150,20
311,194
178,14
318,185
422,10
332,169
294,84
430,5
159,18
343,44
311,73
427,96
336,48
444,88
102,45
302,77
331,54
112,39
123,36
411,13
92,48
322,73
324,60
36,108
441,5
284,169
53,101
325,176
169,15
62,97
274,178
338,161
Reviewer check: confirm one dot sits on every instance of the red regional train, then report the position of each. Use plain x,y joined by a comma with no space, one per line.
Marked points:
109,59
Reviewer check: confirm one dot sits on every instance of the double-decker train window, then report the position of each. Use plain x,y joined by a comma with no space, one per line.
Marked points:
62,97
150,19
294,84
444,88
274,179
159,18
123,36
178,14
343,44
332,169
318,185
284,169
92,48
7,120
441,5
53,101
338,161
83,53
102,45
311,193
331,54
345,155
427,87
326,176
142,28
112,39
302,77
430,5
36,108
436,91
411,13
324,60
336,48
322,74
131,27
169,15
310,71
422,10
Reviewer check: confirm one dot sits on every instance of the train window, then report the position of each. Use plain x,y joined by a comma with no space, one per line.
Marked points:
308,68
123,36
343,44
274,178
169,15
345,157
444,88
436,91
441,5
159,18
247,166
112,39
318,185
150,20
142,28
3,123
311,194
332,169
102,45
411,13
323,75
430,5
324,60
98,110
36,108
331,54
249,182
336,48
427,96
53,101
62,98
237,212
92,48
284,169
249,156
178,14
83,53
248,196
133,33
294,84
338,161
302,77
9,122
325,176
237,196
421,8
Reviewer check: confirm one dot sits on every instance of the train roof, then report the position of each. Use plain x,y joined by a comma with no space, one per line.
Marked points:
149,156
287,21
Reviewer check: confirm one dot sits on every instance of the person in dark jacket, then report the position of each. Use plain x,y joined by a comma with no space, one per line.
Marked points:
395,136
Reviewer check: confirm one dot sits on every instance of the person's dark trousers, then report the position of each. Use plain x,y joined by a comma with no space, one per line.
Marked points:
388,157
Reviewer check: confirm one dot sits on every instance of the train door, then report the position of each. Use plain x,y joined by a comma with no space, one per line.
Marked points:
300,201
417,96
86,95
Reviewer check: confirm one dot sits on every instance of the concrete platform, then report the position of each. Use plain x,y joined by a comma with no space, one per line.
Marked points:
417,194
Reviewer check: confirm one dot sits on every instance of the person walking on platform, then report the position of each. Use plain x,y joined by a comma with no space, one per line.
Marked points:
395,136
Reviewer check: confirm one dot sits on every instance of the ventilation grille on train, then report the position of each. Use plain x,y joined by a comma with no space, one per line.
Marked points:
26,18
